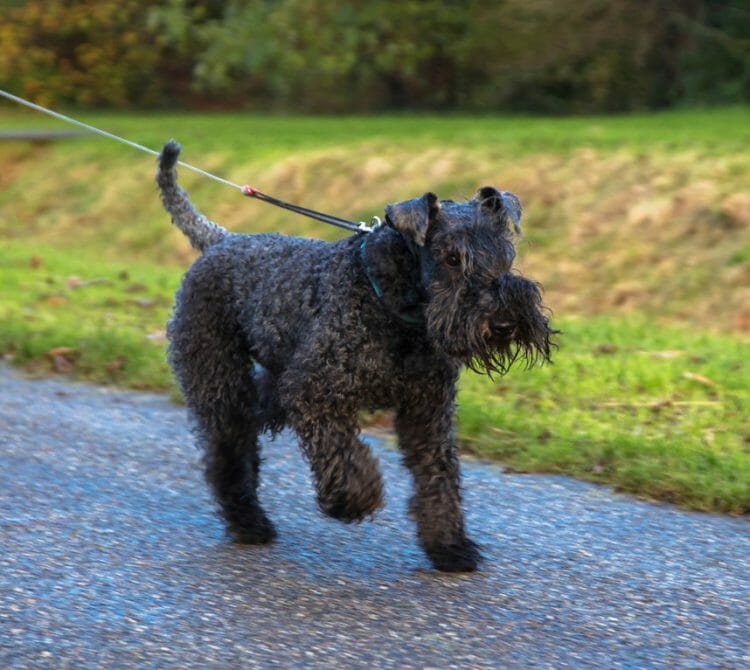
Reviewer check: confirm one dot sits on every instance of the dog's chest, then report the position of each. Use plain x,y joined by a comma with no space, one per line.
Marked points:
380,373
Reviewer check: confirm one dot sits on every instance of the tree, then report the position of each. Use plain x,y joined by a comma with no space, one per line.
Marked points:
717,63
87,52
553,56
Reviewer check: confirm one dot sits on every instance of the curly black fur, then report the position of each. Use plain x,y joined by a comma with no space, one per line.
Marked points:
270,332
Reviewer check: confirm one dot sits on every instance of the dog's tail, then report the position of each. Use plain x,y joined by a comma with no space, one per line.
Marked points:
201,232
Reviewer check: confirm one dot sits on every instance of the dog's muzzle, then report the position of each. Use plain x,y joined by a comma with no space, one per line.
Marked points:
519,327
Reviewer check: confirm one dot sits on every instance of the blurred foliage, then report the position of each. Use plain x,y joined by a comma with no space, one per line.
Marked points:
86,52
554,56
718,67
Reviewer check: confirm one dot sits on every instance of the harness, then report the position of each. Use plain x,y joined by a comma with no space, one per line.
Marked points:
408,316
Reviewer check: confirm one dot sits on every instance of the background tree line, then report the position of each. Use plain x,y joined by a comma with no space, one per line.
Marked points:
551,56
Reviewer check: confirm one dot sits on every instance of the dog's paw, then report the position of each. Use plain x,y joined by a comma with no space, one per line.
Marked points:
257,535
257,531
353,496
351,508
461,556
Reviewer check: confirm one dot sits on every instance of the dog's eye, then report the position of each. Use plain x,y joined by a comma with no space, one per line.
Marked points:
453,260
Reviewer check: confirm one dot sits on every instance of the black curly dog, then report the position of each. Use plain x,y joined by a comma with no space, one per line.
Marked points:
270,331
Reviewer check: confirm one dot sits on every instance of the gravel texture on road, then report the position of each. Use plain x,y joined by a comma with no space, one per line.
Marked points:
111,556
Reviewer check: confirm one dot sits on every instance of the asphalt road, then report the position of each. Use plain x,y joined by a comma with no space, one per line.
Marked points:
111,556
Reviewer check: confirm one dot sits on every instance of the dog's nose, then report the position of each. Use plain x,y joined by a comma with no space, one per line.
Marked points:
503,328
490,328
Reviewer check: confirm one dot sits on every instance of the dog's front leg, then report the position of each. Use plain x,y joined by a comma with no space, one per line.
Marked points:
347,477
426,438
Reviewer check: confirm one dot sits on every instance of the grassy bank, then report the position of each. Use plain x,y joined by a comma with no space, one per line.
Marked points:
616,209
638,227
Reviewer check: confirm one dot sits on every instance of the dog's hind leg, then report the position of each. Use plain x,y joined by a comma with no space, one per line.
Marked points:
212,362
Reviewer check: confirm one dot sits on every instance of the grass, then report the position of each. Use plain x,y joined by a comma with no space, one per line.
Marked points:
637,226
658,411
269,137
96,321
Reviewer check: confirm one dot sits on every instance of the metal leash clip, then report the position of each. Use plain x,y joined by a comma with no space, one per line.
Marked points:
375,223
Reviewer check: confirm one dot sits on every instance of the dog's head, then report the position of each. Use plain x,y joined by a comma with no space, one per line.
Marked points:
478,310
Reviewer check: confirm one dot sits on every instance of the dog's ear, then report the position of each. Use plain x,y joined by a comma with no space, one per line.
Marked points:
411,218
502,204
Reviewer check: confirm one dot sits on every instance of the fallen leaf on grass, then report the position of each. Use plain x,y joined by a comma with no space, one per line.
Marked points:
656,405
77,282
502,432
62,351
692,376
116,365
61,364
63,358
742,321
665,355
35,262
510,470
157,336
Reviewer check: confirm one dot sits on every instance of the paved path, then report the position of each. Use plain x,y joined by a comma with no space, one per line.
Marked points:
110,556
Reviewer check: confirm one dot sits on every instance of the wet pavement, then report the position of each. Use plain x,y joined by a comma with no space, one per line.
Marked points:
111,556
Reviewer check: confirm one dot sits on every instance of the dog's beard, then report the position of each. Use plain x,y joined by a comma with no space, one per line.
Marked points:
521,329
518,331
528,345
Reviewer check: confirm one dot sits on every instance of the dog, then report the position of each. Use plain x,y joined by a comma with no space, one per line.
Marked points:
272,332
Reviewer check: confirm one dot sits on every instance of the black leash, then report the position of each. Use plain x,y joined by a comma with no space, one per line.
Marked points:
313,214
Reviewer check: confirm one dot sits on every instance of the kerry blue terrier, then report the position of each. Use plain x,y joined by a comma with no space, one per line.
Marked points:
270,331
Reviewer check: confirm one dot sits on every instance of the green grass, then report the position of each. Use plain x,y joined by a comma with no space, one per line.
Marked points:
104,321
653,410
635,225
259,136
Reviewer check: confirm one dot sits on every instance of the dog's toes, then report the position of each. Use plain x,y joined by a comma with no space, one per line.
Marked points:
462,556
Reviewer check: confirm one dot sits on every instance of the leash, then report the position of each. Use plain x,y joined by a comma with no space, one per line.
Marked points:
248,191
